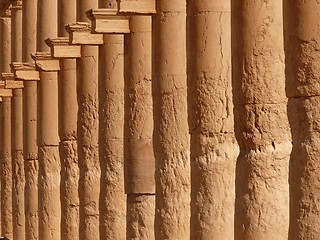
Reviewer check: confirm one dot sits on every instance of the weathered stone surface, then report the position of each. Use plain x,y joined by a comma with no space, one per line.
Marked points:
302,44
111,107
88,123
171,138
69,189
49,192
140,216
304,173
29,26
5,50
31,199
261,125
6,171
262,199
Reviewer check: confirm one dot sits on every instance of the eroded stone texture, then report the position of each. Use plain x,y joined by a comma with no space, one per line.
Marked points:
303,89
1,152
68,110
213,146
140,216
111,102
261,125
49,189
6,171
171,138
139,157
88,121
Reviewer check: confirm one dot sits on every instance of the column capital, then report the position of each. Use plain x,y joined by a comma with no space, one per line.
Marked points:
16,5
44,62
60,48
10,81
5,92
6,13
108,21
80,34
138,6
25,71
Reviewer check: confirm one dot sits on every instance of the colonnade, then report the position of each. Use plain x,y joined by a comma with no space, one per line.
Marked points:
141,119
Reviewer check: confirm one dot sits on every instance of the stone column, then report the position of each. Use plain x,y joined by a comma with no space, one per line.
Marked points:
111,109
171,136
48,138
29,42
1,152
6,166
213,145
6,173
261,124
302,42
17,128
88,127
139,157
68,110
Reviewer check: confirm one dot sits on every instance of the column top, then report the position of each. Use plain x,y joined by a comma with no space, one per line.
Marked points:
45,62
102,13
59,41
5,92
138,6
7,76
78,27
23,66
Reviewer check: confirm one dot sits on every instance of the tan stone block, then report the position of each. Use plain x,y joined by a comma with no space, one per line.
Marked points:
31,199
107,21
30,120
139,167
48,133
260,125
69,189
60,48
44,62
5,92
25,71
80,34
140,216
262,193
49,192
213,163
14,84
137,6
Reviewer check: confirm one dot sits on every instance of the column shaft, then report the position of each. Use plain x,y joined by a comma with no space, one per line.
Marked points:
68,110
88,127
6,173
139,157
30,119
302,42
213,146
6,178
1,157
171,136
261,124
48,141
111,102
17,130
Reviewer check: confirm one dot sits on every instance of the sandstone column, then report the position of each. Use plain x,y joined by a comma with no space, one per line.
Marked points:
303,89
17,129
171,138
139,157
29,36
6,170
111,110
68,110
261,124
48,140
1,152
88,127
6,173
213,146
